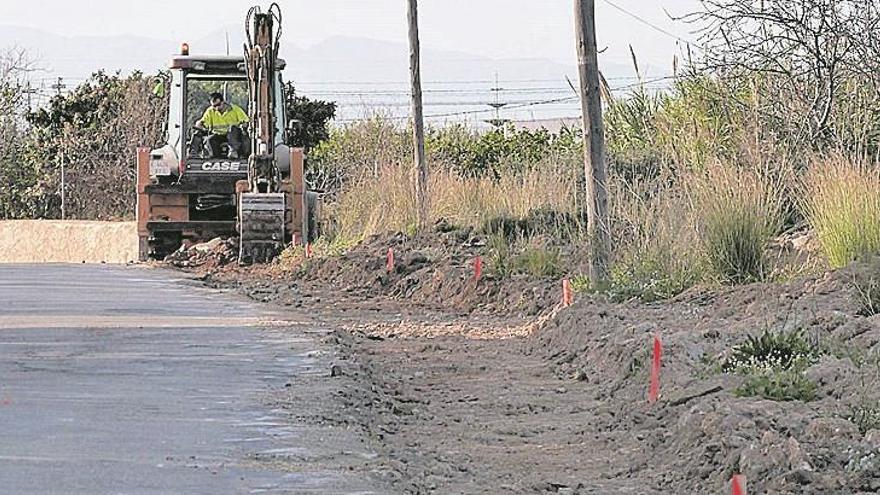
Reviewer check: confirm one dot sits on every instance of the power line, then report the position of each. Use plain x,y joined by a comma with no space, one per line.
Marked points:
489,91
555,89
520,105
398,97
448,82
647,22
391,84
511,105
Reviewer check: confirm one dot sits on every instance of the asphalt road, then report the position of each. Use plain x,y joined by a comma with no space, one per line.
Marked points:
130,380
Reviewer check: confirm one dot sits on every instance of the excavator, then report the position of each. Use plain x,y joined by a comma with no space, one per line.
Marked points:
189,192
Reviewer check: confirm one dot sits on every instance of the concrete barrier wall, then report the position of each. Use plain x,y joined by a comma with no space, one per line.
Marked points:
55,241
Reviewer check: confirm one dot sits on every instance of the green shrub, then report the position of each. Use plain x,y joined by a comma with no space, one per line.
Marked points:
631,127
738,212
784,385
657,250
773,365
866,416
772,350
580,283
499,254
842,204
650,279
539,262
500,151
378,141
698,120
538,201
866,285
539,221
507,257
357,149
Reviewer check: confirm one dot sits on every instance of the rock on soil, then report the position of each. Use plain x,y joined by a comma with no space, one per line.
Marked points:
207,255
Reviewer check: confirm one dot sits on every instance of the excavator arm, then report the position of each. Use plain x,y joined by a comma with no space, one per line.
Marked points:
262,204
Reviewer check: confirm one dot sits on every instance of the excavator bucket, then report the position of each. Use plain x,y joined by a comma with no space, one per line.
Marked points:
261,219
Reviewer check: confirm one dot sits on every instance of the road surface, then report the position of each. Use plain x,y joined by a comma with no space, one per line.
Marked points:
130,380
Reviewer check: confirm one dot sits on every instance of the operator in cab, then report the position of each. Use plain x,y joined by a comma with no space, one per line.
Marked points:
223,122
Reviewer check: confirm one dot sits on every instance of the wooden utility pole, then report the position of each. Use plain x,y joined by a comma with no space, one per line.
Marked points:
594,141
418,116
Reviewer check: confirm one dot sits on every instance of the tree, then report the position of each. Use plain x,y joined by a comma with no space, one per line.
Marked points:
23,191
808,48
102,121
309,118
98,126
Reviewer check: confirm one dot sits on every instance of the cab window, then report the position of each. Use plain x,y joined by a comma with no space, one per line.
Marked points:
199,89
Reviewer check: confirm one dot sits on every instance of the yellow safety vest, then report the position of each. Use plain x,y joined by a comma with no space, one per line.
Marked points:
219,123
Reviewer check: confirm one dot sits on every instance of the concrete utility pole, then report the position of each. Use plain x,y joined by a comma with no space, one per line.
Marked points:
594,141
30,91
418,117
497,122
58,87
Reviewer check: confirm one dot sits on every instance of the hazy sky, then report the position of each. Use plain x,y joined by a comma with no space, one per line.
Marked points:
493,28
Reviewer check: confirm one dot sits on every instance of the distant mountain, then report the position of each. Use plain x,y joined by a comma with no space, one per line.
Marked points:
337,59
348,59
358,73
78,57
344,59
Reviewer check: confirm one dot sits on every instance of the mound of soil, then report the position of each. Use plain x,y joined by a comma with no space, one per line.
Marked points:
467,403
564,408
433,270
701,432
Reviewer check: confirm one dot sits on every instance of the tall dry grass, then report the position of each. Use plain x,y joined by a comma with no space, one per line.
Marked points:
385,201
841,200
711,224
669,233
656,248
738,211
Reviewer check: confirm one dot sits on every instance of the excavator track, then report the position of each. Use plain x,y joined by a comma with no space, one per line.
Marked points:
261,226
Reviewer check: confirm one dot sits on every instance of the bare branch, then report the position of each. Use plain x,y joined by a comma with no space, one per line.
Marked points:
809,46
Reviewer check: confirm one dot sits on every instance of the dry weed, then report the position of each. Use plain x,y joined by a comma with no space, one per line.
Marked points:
738,211
385,201
842,204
